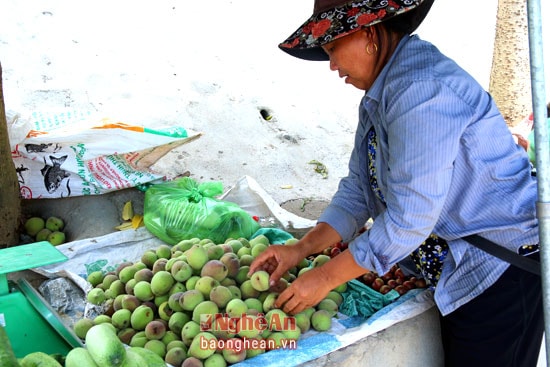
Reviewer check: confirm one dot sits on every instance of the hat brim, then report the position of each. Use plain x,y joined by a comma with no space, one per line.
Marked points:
309,53
329,25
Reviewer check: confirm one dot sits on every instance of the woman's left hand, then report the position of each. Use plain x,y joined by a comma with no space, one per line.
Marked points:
305,291
312,287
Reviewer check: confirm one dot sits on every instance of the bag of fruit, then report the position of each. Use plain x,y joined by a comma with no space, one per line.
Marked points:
184,209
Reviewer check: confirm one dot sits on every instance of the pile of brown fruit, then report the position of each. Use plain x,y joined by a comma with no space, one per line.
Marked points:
394,279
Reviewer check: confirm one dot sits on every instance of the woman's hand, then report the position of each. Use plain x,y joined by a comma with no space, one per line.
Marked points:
276,260
306,291
312,286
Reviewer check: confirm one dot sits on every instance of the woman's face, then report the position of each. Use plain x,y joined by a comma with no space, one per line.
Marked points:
348,56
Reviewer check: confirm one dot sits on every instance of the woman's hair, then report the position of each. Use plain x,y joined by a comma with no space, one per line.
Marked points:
399,26
384,36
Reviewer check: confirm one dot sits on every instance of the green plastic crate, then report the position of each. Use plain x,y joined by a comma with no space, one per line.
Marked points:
30,323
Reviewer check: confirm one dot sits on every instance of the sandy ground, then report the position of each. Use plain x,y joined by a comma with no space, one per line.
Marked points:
210,67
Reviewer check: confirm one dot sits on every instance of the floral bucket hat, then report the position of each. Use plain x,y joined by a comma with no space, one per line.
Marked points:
333,19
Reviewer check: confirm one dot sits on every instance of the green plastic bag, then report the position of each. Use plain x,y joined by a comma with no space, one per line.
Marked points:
531,150
183,209
361,300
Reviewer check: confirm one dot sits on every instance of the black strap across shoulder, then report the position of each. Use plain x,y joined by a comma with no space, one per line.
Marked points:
504,254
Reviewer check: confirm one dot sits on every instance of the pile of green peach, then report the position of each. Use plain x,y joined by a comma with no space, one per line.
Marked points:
164,301
49,229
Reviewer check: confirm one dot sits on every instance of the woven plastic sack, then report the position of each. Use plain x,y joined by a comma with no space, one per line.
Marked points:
361,300
73,153
183,209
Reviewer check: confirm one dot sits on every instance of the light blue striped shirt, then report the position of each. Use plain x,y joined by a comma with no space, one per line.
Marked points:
446,164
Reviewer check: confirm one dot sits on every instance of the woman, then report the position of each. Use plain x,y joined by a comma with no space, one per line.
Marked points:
433,162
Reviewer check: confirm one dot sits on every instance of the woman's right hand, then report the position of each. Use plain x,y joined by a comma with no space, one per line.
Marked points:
276,260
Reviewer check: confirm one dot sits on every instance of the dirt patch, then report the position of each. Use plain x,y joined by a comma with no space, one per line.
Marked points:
305,208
